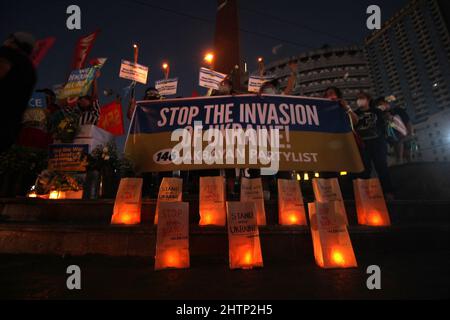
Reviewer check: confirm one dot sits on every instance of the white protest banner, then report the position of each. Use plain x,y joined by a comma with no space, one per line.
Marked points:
291,210
252,191
167,87
171,190
210,79
243,236
212,201
327,190
331,240
133,71
255,83
172,238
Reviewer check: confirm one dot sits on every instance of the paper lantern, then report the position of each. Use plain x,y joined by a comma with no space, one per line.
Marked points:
370,203
212,201
171,190
291,210
127,207
54,195
243,236
172,240
252,191
328,190
331,240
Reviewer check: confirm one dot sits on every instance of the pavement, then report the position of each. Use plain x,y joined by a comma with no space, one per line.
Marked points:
414,274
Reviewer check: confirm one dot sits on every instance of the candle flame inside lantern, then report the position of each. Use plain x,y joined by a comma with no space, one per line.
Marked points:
293,219
375,219
172,259
248,258
338,257
54,195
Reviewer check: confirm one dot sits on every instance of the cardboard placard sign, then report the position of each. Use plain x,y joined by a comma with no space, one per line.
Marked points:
328,190
291,208
172,239
243,236
212,201
252,191
370,203
171,190
331,240
127,207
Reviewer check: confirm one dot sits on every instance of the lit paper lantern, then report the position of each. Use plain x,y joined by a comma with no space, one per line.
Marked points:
172,240
291,209
171,190
370,203
252,191
328,190
212,201
243,236
331,240
127,207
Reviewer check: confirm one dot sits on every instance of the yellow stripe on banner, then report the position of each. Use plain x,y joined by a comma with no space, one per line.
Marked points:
315,152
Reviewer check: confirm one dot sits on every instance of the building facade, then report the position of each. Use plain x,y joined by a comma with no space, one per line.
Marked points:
410,58
345,68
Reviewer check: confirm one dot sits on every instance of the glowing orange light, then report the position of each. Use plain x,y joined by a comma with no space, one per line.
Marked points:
32,195
375,219
338,257
306,177
317,175
248,258
135,46
260,59
299,177
293,219
54,195
172,259
165,66
209,58
344,173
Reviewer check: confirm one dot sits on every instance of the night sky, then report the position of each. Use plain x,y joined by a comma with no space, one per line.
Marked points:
181,40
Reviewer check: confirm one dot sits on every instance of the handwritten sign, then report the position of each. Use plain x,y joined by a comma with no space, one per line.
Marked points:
212,201
252,191
127,207
133,71
171,190
291,210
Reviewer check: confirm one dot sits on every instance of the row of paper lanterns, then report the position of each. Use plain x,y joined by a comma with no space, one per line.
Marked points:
327,216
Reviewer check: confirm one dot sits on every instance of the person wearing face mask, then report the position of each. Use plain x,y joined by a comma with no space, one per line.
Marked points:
371,128
335,94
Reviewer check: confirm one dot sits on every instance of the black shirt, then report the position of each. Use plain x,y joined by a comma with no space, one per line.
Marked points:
371,124
15,92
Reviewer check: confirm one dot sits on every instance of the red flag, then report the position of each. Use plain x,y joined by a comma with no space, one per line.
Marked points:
82,49
41,49
98,62
111,118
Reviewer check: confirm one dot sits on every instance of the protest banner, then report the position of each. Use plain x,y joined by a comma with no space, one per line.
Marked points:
172,239
244,245
127,207
133,71
255,83
111,118
68,157
327,190
212,201
167,87
331,240
41,49
82,49
314,134
291,209
38,100
210,79
252,191
79,84
370,203
171,190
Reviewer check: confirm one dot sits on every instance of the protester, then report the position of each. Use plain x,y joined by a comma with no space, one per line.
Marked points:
335,94
150,94
17,81
272,87
371,128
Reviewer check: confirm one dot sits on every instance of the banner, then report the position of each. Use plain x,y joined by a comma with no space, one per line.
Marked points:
291,208
331,240
167,87
82,49
252,191
40,50
172,238
314,134
38,100
210,79
68,157
328,190
127,207
133,71
370,203
79,84
111,118
212,201
98,62
171,190
243,236
255,83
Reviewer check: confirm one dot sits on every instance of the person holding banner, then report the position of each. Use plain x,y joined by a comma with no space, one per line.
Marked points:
17,81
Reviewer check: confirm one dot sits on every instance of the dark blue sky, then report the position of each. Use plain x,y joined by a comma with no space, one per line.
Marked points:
180,40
